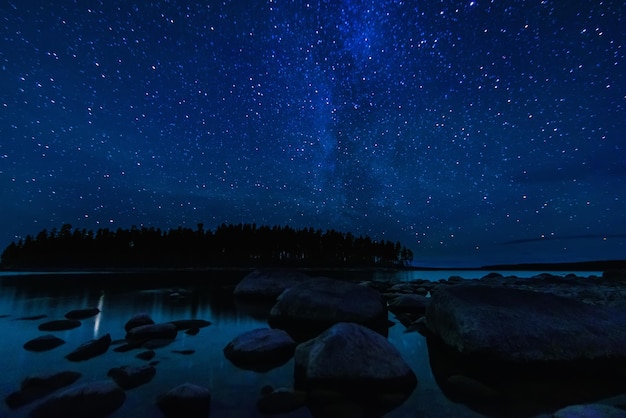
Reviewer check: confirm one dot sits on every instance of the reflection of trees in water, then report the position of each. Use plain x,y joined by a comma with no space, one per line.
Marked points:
228,245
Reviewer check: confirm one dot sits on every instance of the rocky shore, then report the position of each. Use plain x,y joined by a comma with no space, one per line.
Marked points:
504,346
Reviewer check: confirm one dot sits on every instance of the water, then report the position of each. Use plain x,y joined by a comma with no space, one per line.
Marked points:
234,391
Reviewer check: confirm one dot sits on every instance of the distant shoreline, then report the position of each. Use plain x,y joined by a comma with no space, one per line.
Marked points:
598,265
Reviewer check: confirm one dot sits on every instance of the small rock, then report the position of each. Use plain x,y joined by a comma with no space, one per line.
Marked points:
260,349
166,331
138,320
95,399
82,313
43,343
128,377
192,331
90,349
184,324
184,352
59,325
32,318
35,387
186,400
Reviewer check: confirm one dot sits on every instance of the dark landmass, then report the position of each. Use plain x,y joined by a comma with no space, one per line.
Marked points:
242,245
600,265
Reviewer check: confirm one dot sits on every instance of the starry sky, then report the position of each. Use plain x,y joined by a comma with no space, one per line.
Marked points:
474,132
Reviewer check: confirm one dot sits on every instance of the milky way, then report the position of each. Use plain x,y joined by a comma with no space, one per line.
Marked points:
472,131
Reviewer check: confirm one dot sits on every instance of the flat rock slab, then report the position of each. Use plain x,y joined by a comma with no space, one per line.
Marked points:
43,343
95,399
260,349
59,325
138,320
513,325
82,313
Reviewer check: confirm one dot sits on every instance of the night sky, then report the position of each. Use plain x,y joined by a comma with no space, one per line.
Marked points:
474,132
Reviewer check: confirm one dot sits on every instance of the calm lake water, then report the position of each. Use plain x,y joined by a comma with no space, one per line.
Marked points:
208,296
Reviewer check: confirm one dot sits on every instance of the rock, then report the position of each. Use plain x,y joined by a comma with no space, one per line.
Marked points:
32,318
281,401
95,399
352,358
90,349
184,352
590,410
192,331
59,325
35,387
268,284
146,355
260,349
144,333
43,343
186,400
306,309
128,377
137,321
508,325
186,324
414,304
82,313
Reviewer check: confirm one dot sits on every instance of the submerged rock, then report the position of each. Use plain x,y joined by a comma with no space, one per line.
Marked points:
590,411
268,284
310,307
43,343
90,349
82,313
260,349
186,400
35,387
59,325
95,399
281,401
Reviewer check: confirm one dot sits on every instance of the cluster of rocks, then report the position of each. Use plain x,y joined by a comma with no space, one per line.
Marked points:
496,342
103,397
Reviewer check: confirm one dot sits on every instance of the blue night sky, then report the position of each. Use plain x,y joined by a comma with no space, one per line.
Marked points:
474,132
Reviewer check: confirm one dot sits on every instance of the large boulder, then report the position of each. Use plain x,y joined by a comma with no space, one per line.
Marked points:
90,349
43,343
35,387
128,377
350,358
306,309
186,400
268,284
260,349
501,324
95,399
412,304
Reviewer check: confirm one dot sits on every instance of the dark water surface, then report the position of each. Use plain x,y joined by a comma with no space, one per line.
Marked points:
207,296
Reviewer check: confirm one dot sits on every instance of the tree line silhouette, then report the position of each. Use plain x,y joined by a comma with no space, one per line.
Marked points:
229,245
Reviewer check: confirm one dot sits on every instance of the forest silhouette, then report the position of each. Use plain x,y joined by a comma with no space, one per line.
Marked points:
242,245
